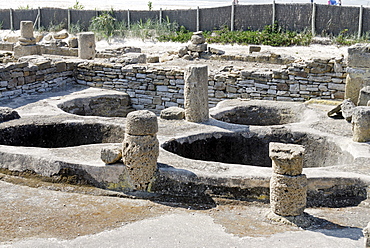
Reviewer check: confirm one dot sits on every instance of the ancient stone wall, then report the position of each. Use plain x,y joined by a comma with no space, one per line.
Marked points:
157,88
18,79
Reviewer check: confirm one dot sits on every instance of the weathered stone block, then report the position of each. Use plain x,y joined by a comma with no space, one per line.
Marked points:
361,124
141,122
86,45
287,159
26,29
20,51
364,96
359,56
173,113
197,47
288,194
196,93
197,38
111,155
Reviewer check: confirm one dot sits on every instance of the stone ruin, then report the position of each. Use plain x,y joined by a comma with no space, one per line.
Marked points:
197,48
140,151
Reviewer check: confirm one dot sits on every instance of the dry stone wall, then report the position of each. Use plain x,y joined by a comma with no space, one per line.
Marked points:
18,79
157,88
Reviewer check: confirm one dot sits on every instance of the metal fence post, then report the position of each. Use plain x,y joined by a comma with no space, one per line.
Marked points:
69,19
160,16
128,19
198,21
39,18
360,20
313,20
232,16
11,19
273,12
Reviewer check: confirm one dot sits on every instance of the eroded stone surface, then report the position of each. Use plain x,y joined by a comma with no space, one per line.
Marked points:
111,154
139,154
364,96
361,124
287,159
288,194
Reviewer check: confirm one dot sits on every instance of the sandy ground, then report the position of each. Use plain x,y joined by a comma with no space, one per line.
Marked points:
299,52
40,214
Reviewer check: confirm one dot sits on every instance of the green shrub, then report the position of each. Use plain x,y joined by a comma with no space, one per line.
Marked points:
103,25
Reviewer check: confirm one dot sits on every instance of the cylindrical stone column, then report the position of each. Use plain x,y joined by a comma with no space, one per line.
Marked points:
288,187
361,124
196,93
140,148
86,45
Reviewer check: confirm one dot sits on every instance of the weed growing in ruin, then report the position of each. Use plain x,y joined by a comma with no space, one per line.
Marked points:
77,5
24,7
75,28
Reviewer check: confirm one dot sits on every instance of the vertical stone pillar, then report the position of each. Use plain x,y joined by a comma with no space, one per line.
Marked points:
140,148
26,43
288,187
86,45
196,93
358,71
361,124
366,232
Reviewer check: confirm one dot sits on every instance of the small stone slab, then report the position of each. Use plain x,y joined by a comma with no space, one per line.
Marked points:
173,113
216,51
7,114
254,49
61,35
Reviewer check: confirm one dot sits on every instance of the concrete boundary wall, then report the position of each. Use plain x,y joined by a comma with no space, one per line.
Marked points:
158,88
322,19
